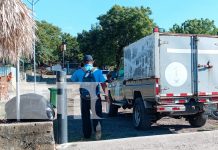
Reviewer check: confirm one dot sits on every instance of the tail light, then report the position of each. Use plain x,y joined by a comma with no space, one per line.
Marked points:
156,29
157,87
202,100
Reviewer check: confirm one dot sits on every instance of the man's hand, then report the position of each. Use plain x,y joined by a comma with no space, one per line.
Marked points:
104,87
107,99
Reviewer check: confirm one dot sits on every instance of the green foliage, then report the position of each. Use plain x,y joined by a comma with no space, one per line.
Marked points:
92,42
48,47
195,26
117,28
48,43
72,53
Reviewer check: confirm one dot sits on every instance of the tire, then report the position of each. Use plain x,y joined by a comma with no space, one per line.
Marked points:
214,112
214,115
86,121
141,117
198,120
112,109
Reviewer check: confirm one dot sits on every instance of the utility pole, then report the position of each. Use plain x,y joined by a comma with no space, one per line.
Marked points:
33,3
64,48
18,89
62,131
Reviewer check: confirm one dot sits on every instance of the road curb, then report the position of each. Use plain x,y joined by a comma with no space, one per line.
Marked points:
185,141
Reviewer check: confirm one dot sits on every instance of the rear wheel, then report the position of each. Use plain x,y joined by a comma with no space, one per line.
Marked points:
141,117
198,120
214,112
214,115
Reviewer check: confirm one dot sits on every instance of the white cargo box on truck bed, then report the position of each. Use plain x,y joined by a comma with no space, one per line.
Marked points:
184,64
139,58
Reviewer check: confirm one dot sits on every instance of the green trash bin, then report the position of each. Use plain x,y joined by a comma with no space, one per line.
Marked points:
53,97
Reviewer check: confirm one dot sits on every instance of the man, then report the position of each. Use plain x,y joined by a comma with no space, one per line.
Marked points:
92,76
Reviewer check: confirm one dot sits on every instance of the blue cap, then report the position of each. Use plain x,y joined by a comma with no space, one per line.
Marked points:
87,58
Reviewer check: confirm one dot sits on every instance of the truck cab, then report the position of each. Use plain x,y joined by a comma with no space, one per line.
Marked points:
116,86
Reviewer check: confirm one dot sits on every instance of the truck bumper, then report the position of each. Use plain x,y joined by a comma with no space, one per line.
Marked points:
182,109
170,108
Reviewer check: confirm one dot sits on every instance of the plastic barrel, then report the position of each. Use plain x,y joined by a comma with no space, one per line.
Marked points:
53,97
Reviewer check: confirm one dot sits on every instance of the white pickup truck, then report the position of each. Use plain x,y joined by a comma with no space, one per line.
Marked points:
167,74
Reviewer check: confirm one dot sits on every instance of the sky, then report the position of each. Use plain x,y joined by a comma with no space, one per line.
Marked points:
73,16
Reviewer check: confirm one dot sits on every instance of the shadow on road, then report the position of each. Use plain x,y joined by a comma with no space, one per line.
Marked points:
118,127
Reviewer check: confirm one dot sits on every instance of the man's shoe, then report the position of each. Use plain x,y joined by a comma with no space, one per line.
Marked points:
98,131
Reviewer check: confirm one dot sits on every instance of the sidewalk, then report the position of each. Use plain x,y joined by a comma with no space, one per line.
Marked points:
186,141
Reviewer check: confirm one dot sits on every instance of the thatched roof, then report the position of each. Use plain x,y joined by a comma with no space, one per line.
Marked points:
16,30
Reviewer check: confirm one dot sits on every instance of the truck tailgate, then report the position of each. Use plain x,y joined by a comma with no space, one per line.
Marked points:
207,66
175,65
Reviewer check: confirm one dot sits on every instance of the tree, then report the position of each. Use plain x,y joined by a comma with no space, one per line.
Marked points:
48,49
195,26
117,28
92,42
73,53
124,25
49,39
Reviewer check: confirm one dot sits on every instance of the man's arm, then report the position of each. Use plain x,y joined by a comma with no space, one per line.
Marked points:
105,89
103,85
74,77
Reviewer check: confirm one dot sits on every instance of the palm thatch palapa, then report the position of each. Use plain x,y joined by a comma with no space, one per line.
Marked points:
17,30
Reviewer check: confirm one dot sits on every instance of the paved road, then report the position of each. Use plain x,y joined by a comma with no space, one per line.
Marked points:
186,141
121,126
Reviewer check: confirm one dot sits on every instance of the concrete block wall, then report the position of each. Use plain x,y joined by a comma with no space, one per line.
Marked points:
21,136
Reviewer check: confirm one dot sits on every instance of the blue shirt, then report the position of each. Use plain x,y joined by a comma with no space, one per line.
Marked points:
78,74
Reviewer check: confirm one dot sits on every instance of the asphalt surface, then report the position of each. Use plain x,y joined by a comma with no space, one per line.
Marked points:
184,141
121,126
